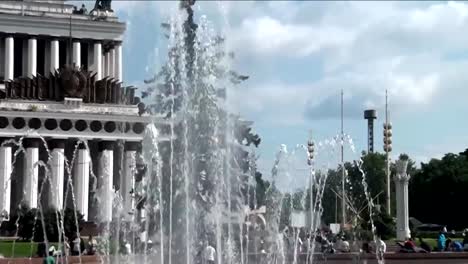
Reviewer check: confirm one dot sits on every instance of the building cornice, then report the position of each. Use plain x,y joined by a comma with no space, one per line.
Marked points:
60,27
8,133
39,107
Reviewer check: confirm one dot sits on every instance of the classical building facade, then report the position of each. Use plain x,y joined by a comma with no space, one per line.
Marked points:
64,110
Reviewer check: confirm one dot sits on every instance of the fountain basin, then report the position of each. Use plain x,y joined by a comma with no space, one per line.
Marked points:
71,260
427,258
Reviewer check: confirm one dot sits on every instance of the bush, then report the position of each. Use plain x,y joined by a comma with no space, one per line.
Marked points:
433,234
70,222
25,219
384,225
30,224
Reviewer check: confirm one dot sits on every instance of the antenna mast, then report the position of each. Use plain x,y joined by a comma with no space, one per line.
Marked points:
343,194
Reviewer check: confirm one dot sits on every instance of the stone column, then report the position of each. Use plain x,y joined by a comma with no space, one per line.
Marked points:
98,60
31,172
401,188
54,55
111,67
5,181
81,181
9,58
105,67
127,180
105,181
77,53
32,57
57,174
118,62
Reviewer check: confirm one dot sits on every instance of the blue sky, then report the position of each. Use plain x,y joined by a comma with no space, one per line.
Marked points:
300,54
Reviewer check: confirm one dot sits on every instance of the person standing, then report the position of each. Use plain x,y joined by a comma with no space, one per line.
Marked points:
381,248
441,241
50,259
76,246
91,247
209,254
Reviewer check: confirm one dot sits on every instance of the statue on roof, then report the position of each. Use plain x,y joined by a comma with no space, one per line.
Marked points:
187,3
103,5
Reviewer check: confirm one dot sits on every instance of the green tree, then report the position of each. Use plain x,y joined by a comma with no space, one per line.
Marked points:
437,191
330,200
373,166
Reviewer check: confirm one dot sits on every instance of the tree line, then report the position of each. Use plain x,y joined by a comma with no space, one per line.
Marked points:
436,192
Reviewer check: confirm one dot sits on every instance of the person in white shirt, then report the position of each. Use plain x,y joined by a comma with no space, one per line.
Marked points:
209,254
128,248
381,248
342,245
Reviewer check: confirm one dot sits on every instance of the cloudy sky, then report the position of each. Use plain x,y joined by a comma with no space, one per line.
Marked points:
301,54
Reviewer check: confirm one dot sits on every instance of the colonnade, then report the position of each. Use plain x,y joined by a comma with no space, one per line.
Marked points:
106,62
58,176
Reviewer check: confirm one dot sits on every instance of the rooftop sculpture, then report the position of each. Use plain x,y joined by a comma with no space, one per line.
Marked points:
103,5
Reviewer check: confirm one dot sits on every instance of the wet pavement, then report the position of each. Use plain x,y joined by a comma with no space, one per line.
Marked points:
390,258
393,261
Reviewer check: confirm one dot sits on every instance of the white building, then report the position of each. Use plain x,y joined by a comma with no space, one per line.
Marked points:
56,109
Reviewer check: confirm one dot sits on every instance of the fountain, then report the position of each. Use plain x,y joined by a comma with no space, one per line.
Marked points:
172,197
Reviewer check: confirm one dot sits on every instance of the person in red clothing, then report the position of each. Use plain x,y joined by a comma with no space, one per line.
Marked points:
410,245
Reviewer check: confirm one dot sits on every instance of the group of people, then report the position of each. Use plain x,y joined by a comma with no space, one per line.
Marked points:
77,247
325,241
409,246
445,243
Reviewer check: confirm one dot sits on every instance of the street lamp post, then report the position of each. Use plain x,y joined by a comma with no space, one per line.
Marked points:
387,149
310,159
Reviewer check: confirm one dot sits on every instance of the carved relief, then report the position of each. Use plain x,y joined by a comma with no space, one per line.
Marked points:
73,81
69,82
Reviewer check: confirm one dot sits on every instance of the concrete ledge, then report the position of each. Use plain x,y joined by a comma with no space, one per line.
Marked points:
434,255
400,257
441,256
396,256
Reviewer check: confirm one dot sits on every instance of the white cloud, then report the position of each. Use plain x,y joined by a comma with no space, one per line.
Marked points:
273,102
365,47
268,36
